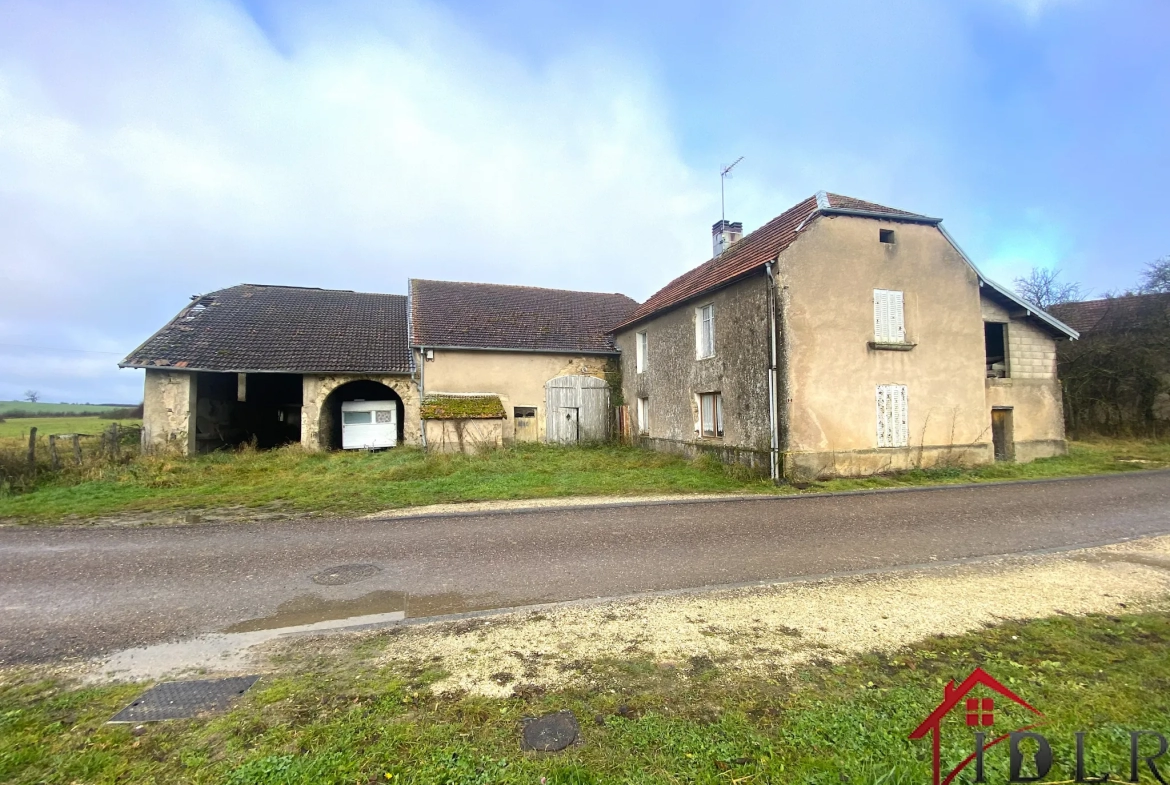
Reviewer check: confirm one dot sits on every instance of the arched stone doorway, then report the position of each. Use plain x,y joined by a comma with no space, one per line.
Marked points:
357,390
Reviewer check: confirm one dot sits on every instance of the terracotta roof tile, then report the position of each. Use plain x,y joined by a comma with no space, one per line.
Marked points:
283,328
1111,313
752,252
494,316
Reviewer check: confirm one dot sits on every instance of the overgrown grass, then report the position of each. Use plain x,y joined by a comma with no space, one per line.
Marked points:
359,482
346,483
347,720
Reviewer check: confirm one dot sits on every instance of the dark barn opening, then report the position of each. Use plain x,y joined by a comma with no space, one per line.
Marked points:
234,409
995,348
360,390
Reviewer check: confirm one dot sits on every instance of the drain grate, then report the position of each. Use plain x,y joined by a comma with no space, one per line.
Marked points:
346,573
177,700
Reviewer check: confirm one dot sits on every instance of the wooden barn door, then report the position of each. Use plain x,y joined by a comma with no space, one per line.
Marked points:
577,409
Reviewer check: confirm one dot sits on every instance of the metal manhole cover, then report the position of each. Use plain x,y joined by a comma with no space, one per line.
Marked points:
550,733
346,573
177,700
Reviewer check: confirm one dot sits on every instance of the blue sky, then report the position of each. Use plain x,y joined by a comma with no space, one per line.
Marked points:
150,151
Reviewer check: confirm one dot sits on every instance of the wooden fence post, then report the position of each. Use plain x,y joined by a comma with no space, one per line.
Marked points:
54,459
32,450
116,447
77,448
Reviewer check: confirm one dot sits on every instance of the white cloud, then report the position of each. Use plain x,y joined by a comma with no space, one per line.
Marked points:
149,153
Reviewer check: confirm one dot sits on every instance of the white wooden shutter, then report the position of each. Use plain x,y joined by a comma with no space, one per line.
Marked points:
893,416
889,323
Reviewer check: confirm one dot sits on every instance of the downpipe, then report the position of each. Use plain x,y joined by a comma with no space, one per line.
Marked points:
774,452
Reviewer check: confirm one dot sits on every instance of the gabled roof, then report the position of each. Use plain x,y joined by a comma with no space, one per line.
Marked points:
450,314
282,328
1112,313
760,247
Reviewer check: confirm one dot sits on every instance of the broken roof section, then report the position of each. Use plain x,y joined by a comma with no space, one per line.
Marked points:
756,249
454,315
283,328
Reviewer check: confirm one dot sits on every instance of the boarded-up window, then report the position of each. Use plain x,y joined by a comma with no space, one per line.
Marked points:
893,416
640,351
644,415
889,326
711,414
705,332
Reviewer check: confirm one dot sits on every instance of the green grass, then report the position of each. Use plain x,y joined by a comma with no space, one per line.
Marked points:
345,483
345,719
358,482
25,406
17,428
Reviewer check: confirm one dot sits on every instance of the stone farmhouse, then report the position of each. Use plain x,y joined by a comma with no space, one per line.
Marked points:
841,338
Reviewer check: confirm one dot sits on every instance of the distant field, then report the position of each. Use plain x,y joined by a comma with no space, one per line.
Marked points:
25,406
47,426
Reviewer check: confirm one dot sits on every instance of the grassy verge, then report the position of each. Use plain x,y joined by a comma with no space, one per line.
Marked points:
297,482
348,720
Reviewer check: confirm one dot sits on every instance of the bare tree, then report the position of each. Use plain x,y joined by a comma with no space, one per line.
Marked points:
1044,289
1156,278
32,396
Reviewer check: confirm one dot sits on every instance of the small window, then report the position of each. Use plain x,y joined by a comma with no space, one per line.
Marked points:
995,347
889,324
711,414
705,332
886,235
357,418
644,416
640,351
893,416
524,411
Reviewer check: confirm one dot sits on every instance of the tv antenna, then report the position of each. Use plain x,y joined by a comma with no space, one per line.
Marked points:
724,173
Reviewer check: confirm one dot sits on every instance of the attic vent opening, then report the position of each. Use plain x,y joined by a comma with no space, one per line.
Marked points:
886,236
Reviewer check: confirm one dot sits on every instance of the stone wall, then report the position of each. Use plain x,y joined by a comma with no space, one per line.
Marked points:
673,378
168,411
465,436
315,422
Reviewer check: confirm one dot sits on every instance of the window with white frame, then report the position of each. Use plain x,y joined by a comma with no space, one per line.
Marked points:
889,324
640,346
705,331
893,416
644,416
711,415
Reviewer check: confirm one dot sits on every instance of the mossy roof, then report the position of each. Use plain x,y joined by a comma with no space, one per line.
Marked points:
462,407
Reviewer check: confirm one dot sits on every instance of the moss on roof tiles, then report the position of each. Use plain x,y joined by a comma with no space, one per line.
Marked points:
462,407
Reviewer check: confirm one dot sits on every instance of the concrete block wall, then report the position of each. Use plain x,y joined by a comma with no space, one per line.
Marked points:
1031,352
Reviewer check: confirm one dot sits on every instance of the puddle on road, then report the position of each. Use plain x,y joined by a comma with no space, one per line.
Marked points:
312,608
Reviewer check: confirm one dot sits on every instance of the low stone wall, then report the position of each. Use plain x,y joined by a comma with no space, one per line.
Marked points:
758,460
802,466
465,436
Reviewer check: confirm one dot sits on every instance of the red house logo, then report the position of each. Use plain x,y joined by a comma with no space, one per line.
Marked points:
980,713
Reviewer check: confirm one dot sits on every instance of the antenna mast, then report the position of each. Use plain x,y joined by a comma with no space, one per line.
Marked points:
724,173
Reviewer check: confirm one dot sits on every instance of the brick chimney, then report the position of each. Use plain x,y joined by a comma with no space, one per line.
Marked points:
724,234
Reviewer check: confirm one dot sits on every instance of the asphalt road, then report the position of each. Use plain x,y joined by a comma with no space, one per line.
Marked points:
71,591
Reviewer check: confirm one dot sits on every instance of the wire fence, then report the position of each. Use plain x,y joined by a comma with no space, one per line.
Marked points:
45,456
